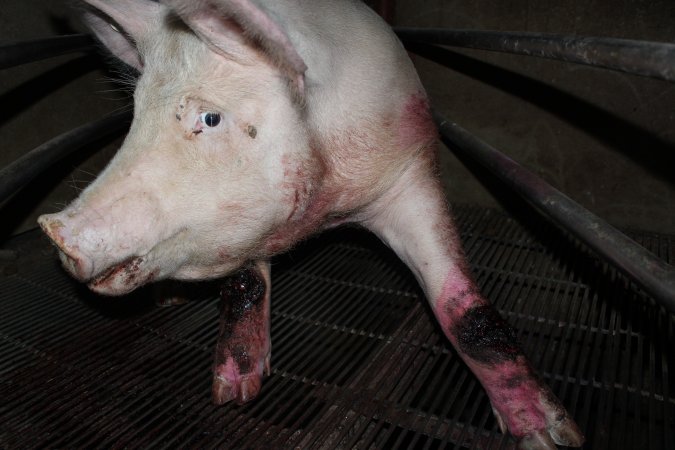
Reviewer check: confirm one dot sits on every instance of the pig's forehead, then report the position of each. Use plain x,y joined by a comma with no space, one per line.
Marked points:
172,45
176,60
173,50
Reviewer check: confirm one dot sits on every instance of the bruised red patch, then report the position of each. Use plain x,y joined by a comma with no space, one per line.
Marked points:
312,218
416,126
304,185
457,296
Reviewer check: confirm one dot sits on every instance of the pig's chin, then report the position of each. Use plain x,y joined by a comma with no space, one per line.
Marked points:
123,278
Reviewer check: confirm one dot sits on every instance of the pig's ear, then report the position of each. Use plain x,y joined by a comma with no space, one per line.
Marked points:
217,22
119,25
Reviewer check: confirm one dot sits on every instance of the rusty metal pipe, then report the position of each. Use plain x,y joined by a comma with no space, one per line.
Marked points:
653,274
650,59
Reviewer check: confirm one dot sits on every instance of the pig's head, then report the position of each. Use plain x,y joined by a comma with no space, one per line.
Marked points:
210,167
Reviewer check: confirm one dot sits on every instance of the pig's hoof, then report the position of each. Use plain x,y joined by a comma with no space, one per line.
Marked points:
539,440
241,391
231,385
542,425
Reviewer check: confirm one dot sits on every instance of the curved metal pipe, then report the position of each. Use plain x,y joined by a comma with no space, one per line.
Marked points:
26,168
650,59
16,53
653,274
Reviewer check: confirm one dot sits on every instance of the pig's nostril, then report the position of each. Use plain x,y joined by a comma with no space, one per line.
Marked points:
51,228
73,261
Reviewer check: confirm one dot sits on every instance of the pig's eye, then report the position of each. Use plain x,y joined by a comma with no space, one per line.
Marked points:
210,119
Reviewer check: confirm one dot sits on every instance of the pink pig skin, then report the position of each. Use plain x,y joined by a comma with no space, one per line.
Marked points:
258,123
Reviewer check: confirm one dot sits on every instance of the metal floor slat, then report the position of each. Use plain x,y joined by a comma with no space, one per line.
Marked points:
357,360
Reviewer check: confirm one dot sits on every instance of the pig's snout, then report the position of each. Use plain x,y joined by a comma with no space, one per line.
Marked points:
75,262
103,254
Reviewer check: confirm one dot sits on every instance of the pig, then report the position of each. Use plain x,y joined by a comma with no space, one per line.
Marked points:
258,123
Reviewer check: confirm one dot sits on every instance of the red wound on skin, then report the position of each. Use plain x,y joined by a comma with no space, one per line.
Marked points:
127,273
416,126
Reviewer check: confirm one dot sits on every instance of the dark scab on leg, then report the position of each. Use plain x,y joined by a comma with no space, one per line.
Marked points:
484,336
241,292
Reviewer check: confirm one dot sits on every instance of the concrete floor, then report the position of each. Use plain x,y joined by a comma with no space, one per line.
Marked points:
606,139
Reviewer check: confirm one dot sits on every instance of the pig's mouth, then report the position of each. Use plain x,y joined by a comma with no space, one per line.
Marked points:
123,277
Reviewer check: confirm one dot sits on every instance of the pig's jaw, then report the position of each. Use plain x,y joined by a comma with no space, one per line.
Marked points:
124,277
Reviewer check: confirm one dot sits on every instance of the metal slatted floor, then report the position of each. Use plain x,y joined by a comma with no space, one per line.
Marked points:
357,360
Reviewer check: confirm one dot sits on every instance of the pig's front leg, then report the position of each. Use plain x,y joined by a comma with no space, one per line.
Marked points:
242,354
412,218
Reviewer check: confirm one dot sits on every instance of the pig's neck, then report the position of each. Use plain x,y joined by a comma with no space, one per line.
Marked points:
313,207
321,211
350,170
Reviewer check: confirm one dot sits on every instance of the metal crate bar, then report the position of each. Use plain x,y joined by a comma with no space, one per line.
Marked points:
650,59
26,168
652,273
22,52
